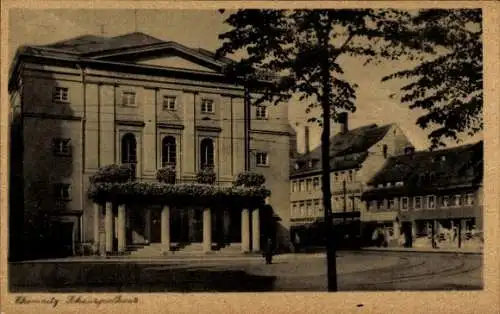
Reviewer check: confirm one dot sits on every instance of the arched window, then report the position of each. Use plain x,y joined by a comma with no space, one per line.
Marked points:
129,152
168,152
207,153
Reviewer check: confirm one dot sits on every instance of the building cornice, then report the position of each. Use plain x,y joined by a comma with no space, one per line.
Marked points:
130,123
208,128
270,132
51,116
164,125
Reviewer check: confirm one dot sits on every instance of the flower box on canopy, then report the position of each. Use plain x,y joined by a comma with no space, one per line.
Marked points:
177,194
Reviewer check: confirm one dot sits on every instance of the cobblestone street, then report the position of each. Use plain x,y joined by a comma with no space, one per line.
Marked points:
357,271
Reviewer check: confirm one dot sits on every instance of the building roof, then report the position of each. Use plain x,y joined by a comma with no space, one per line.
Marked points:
457,166
124,49
94,47
347,150
90,43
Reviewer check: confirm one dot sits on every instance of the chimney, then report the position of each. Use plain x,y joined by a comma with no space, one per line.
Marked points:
306,139
343,121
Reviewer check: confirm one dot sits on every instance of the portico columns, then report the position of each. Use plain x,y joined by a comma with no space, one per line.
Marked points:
109,227
255,230
165,228
122,240
97,225
396,230
207,230
245,230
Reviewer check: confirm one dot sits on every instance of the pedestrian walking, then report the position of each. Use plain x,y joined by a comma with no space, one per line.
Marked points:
268,253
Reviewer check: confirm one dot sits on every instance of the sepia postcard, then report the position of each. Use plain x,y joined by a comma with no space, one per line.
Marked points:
186,157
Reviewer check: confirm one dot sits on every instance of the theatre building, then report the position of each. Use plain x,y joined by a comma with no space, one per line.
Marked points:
355,156
83,103
431,196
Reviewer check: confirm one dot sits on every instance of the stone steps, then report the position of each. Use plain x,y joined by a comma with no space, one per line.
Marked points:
191,249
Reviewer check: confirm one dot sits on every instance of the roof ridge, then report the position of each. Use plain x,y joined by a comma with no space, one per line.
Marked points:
135,33
60,42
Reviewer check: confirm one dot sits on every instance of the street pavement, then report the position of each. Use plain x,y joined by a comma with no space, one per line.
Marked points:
357,271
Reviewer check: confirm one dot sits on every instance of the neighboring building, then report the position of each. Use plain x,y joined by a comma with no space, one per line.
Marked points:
439,193
90,101
355,156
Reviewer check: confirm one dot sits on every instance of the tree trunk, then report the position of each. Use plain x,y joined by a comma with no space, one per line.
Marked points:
325,177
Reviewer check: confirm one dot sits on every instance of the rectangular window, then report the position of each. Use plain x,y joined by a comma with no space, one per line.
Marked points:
446,201
319,208
128,99
261,113
418,202
380,204
301,186
62,192
302,208
404,203
207,105
399,183
308,184
431,201
309,207
315,183
169,103
294,185
372,205
350,178
262,159
469,199
61,146
294,209
457,200
391,204
61,94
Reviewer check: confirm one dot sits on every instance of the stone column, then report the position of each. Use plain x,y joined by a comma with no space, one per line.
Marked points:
436,227
413,233
147,225
165,228
109,227
255,230
97,226
122,239
395,228
207,230
463,232
245,230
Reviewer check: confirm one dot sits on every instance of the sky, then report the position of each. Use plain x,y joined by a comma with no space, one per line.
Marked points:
200,29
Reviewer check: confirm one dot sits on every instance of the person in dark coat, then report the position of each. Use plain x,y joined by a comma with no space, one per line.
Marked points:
268,253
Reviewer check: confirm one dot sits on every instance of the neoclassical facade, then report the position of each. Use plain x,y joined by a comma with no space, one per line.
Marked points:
90,101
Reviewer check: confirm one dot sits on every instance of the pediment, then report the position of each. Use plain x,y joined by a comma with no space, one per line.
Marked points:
172,61
169,54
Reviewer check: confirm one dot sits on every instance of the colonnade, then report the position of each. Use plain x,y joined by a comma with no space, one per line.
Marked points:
106,227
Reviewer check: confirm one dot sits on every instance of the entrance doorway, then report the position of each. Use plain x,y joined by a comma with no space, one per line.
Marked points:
63,238
406,229
179,225
155,226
